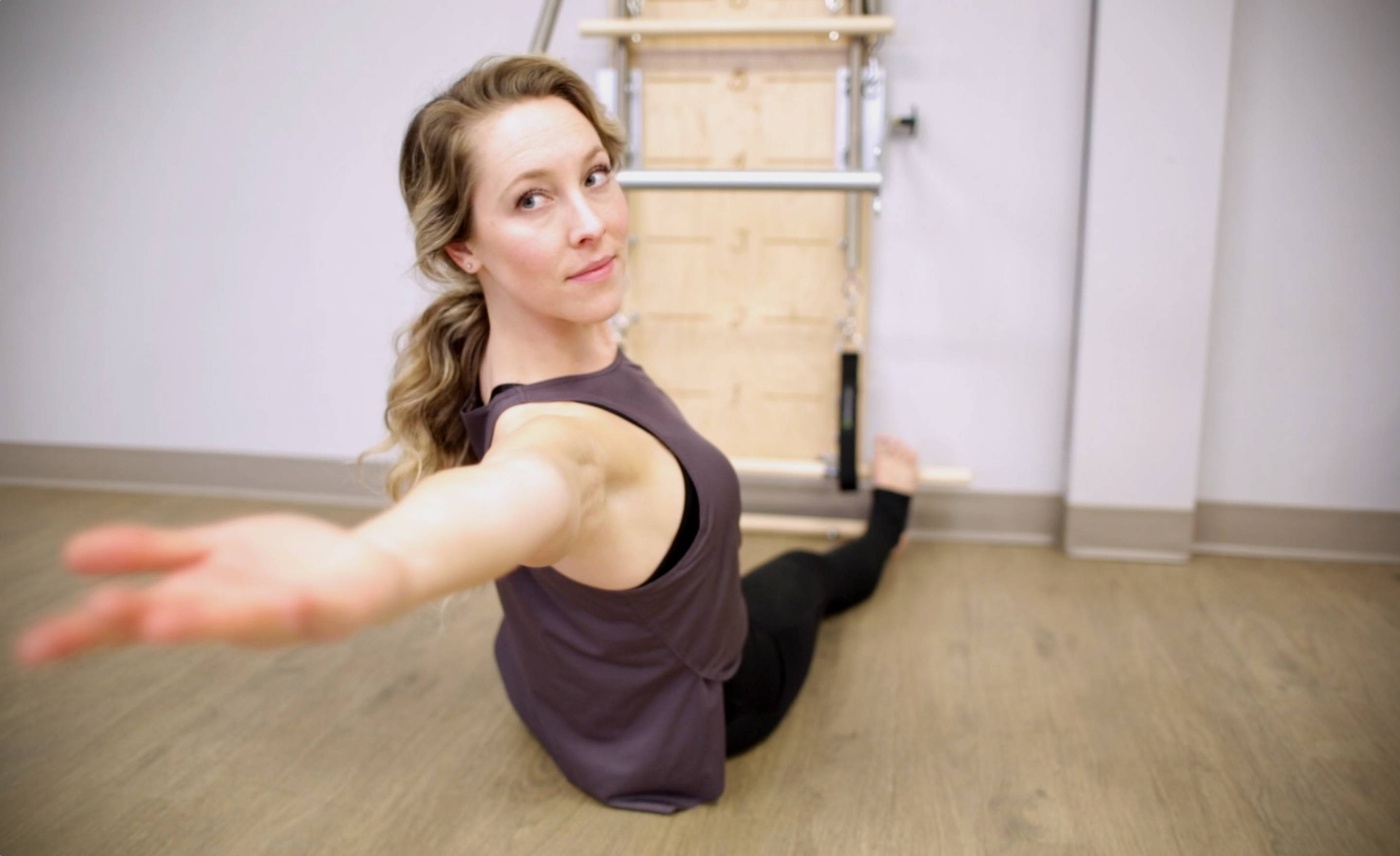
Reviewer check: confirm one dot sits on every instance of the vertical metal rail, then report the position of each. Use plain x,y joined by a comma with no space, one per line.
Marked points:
622,69
622,62
544,26
848,407
856,61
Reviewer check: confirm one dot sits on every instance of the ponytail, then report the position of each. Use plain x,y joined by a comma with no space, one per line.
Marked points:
439,357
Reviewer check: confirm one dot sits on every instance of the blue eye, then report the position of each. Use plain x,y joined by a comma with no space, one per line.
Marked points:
601,173
525,200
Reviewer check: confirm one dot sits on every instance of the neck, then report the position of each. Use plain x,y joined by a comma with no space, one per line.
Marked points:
512,357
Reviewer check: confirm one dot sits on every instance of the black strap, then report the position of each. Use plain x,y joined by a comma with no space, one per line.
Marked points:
850,369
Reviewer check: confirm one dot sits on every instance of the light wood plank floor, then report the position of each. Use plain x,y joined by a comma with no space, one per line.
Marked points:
986,700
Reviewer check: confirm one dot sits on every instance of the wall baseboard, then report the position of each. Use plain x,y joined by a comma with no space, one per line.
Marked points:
324,481
1128,534
1229,529
1142,535
1308,534
937,515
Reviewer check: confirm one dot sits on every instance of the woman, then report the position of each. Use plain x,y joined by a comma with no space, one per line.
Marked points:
540,457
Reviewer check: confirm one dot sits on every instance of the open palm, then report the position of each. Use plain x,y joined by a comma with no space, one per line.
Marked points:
259,581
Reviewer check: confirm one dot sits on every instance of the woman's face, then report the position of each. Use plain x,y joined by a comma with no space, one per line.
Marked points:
549,222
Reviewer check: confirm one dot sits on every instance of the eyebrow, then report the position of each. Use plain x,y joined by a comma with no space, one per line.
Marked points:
533,174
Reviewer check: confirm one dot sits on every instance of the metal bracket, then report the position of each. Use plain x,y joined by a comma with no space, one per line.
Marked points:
908,123
634,117
621,323
605,88
873,122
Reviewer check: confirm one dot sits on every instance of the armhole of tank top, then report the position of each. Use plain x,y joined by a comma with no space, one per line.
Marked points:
498,389
686,533
688,528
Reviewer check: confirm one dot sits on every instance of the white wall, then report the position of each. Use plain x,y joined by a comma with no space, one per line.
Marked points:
201,240
1161,76
202,246
974,256
1303,403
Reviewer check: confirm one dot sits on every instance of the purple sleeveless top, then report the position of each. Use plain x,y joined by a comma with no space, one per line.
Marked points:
625,689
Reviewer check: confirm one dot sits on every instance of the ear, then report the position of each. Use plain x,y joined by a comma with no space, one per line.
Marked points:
463,257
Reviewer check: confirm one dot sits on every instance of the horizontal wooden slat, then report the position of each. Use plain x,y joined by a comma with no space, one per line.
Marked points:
845,25
785,524
799,469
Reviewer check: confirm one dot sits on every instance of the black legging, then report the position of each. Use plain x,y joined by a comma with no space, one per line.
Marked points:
787,599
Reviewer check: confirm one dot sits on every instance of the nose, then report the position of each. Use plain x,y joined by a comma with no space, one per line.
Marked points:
587,224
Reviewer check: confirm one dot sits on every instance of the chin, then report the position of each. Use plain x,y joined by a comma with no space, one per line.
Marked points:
598,310
597,302
605,311
609,301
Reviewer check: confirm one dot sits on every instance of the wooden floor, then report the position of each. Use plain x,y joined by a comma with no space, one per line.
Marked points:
986,700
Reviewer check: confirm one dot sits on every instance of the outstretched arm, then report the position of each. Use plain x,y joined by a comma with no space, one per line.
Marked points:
541,485
281,579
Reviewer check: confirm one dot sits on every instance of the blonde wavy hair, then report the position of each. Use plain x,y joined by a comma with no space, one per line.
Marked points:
439,354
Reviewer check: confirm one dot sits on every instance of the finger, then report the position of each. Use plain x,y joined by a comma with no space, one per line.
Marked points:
107,618
128,548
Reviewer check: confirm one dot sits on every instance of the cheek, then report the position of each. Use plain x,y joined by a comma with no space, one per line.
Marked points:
619,217
523,248
624,220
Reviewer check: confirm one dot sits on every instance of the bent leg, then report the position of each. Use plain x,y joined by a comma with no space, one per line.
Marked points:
853,569
786,599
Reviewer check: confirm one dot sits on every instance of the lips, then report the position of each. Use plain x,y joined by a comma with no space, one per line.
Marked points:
596,270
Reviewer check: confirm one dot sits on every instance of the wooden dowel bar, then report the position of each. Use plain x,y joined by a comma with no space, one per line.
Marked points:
817,471
844,25
785,524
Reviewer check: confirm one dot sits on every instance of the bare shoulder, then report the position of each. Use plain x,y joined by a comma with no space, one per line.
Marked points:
629,487
551,412
580,432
